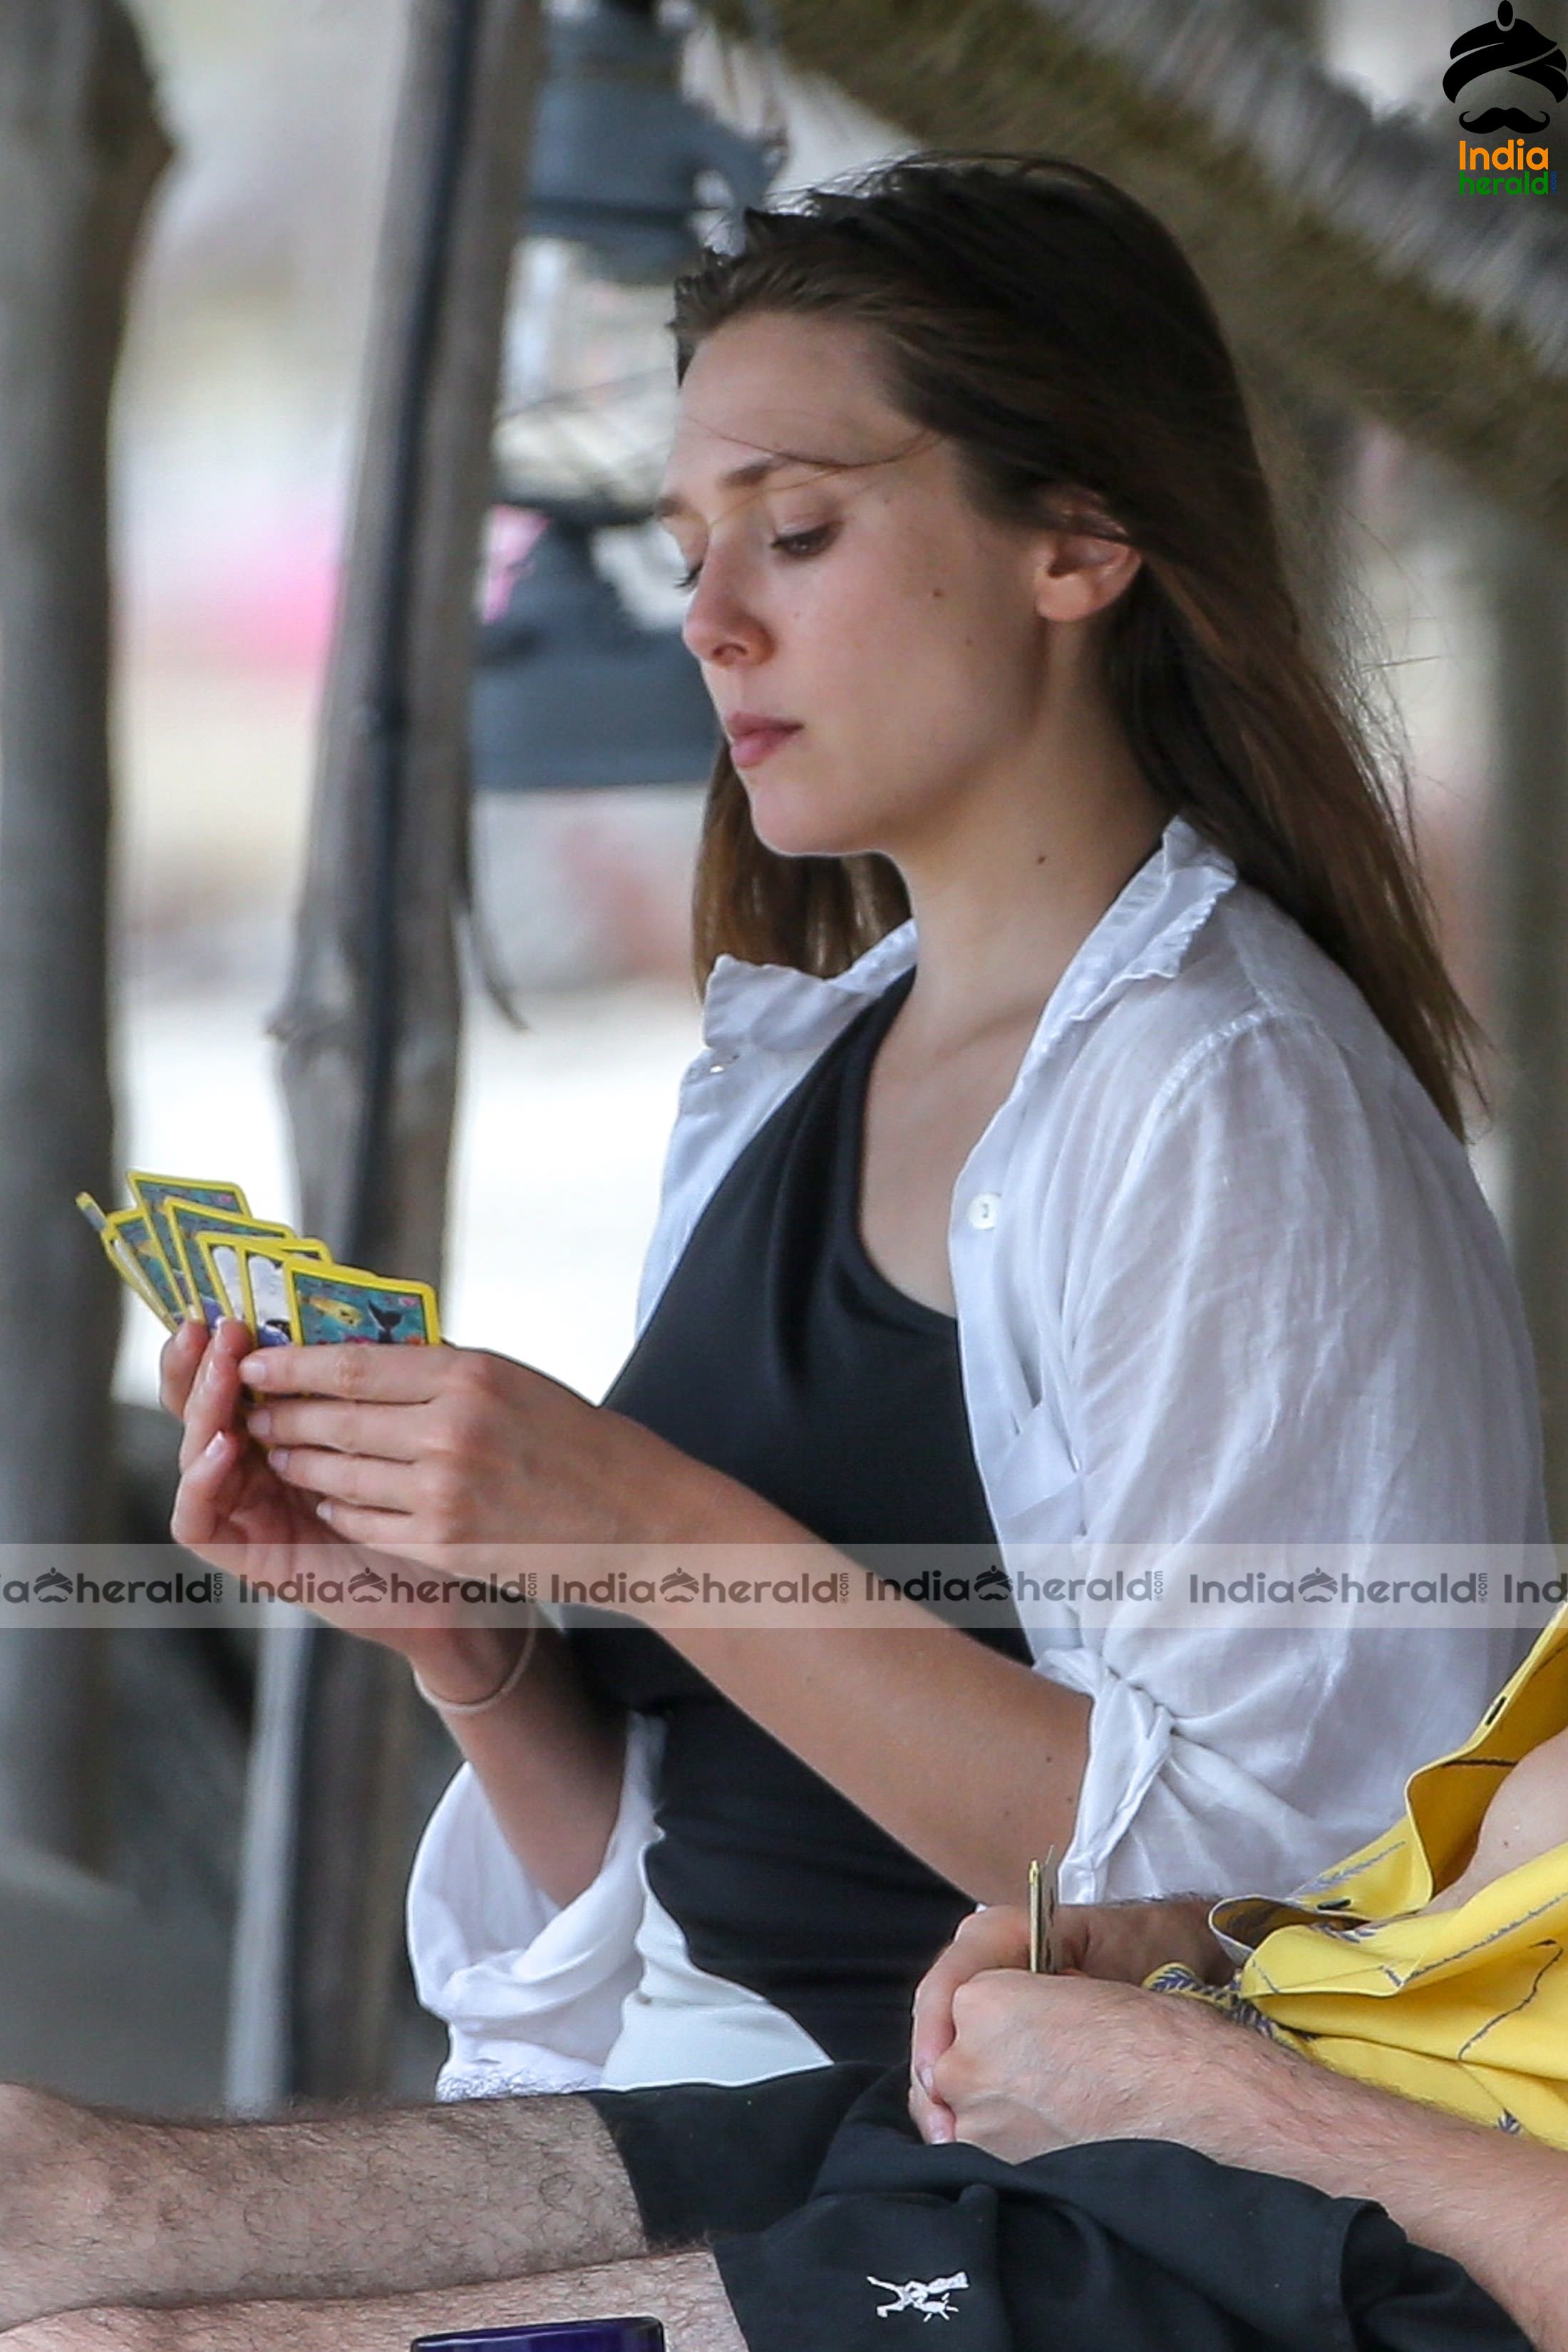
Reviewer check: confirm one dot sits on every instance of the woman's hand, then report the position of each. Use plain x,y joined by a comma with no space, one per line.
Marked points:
229,1499
232,1509
452,1457
1119,1942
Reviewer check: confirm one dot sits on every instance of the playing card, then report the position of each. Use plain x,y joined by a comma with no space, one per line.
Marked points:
191,1223
265,1302
151,1193
131,1268
192,1249
220,1268
128,1229
334,1303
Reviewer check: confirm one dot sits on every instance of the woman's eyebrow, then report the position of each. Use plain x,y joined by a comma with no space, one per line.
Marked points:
774,461
741,478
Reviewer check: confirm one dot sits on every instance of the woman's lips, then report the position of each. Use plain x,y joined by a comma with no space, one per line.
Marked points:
754,744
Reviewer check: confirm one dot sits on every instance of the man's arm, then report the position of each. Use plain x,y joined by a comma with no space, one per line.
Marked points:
109,2209
683,2291
1039,2062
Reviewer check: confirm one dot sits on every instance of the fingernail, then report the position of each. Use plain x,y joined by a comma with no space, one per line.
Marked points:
215,1447
279,1459
925,2075
325,1511
253,1369
261,1423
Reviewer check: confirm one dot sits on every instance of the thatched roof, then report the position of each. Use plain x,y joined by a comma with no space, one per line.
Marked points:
1339,242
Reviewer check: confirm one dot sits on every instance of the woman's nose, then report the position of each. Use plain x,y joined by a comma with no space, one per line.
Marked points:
719,626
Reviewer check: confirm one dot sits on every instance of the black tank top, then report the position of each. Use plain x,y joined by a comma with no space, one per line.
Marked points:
778,1354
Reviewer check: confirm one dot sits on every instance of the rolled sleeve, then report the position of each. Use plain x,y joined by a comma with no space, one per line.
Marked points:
531,1991
1221,1759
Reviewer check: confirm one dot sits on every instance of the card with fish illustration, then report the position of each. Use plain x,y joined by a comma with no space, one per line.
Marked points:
151,1193
332,1303
261,1269
192,1251
189,1222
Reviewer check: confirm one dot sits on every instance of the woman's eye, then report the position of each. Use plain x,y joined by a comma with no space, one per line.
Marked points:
803,543
795,543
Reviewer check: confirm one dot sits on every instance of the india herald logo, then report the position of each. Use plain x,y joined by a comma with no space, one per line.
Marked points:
1508,45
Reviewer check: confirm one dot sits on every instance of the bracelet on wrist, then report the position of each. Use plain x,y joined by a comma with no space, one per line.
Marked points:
504,1688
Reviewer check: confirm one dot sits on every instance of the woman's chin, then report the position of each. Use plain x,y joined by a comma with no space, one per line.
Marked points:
794,828
803,840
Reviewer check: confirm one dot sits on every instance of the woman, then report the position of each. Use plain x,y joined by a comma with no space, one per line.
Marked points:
1131,1210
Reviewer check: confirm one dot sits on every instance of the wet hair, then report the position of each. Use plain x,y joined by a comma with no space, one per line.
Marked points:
1054,333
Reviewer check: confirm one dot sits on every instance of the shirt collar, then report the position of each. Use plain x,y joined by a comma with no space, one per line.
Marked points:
1145,933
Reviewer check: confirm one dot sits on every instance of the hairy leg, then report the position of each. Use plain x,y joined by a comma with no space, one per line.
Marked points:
683,2291
109,2209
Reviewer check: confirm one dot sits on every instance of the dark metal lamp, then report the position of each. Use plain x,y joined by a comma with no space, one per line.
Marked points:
571,690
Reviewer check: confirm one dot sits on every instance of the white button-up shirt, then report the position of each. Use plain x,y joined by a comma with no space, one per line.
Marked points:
1223,1276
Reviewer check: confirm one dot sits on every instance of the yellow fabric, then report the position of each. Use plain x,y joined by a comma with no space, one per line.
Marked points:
1465,2008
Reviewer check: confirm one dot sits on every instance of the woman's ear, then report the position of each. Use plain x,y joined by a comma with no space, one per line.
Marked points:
1079,571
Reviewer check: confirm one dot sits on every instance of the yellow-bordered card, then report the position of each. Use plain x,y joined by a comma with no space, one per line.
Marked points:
263,1293
190,1222
330,1303
221,1268
127,1259
128,1229
149,1193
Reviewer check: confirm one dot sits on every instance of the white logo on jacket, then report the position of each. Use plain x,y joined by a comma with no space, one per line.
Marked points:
932,2298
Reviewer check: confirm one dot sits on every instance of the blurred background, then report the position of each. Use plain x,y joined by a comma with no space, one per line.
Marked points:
234,434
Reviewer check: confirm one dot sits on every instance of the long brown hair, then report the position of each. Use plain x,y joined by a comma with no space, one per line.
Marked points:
1054,332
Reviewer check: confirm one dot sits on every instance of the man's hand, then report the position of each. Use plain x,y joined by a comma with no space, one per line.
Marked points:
1037,2063
1040,2062
1119,1942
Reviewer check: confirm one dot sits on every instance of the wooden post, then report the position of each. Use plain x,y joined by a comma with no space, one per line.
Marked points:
80,151
422,486
370,1026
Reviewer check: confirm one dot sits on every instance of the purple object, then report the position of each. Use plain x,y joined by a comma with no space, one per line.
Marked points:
554,2336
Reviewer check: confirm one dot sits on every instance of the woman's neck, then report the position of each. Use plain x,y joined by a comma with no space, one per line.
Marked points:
1025,870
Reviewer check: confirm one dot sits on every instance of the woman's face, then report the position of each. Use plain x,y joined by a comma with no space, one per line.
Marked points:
847,587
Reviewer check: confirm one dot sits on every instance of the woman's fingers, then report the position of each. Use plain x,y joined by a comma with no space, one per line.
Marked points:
214,1399
179,1364
389,1432
384,1375
208,1490
207,1410
371,1530
355,1478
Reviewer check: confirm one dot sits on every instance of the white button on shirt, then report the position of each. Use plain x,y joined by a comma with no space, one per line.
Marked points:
1222,1276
